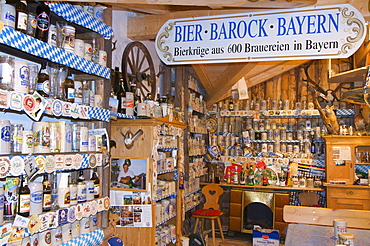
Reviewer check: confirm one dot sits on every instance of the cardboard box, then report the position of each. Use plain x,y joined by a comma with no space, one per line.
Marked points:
266,237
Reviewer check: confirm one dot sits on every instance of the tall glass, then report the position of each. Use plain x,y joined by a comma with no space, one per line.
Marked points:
6,72
34,71
62,75
53,79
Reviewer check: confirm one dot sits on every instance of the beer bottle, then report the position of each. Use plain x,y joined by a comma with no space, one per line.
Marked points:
46,199
43,84
250,176
69,88
24,198
242,176
81,177
21,16
96,183
43,21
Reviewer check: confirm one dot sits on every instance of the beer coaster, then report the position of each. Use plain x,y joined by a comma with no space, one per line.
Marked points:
44,219
49,164
79,211
106,203
40,160
75,110
4,167
16,100
29,103
94,207
72,214
84,112
68,161
63,216
34,224
57,108
17,165
77,159
87,209
66,109
59,162
92,161
100,203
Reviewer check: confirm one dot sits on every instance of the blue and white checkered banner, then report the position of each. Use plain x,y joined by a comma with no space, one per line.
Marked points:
93,238
77,16
344,112
44,50
99,113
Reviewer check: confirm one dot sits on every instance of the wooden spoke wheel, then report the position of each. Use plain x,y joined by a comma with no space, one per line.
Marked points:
138,68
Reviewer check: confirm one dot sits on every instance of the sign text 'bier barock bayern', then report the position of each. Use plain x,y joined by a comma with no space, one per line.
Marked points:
296,34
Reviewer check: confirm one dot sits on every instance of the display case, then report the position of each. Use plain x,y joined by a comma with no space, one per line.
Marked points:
345,160
162,142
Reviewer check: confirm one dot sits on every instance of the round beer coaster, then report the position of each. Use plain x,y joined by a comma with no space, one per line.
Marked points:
4,167
40,160
57,108
106,203
29,103
49,164
92,161
72,214
77,159
17,165
94,207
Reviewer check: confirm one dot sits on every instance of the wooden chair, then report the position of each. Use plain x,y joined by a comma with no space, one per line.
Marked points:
210,210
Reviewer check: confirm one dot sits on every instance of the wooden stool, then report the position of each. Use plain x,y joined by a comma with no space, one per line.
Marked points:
210,210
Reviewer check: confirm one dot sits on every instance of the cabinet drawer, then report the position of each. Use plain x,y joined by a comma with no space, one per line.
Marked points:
349,193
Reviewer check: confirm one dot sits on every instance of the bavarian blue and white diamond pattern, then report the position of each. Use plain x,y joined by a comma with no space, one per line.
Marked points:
93,238
74,15
44,50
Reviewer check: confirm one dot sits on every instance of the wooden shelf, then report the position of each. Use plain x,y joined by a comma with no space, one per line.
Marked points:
346,186
269,187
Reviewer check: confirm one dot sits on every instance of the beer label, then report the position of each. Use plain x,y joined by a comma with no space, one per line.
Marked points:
24,203
46,203
72,214
44,87
57,108
22,21
17,165
43,21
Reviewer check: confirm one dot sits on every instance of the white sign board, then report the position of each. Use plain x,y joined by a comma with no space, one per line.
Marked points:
296,34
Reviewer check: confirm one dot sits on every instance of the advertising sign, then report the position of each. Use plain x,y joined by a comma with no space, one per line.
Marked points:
295,34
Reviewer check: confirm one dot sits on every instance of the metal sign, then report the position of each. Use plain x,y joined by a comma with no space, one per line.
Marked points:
296,34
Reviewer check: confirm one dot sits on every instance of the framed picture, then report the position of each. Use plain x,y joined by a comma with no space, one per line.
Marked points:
129,173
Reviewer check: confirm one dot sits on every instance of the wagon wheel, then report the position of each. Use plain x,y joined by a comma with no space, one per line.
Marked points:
138,68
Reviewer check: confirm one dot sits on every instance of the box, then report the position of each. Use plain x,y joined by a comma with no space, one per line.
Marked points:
266,237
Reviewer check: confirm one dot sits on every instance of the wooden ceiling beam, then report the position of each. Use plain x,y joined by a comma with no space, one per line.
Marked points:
232,74
263,72
202,74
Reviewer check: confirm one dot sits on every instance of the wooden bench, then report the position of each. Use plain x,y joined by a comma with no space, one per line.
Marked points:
359,219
